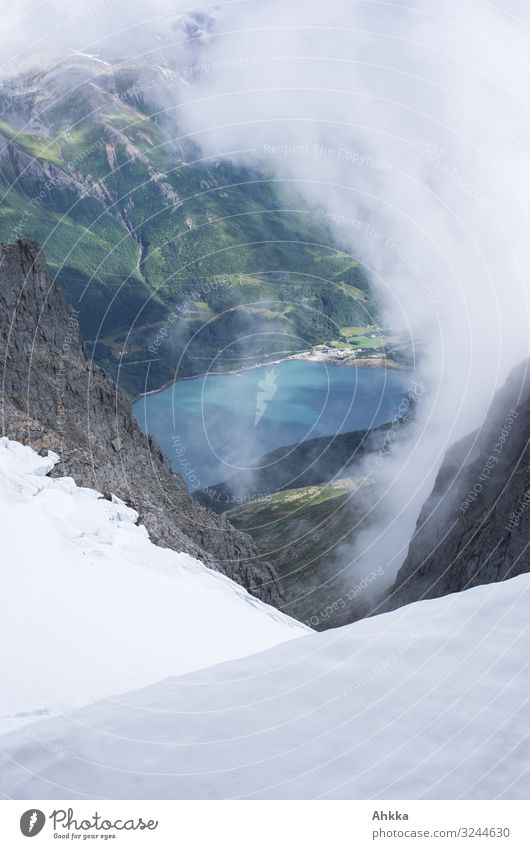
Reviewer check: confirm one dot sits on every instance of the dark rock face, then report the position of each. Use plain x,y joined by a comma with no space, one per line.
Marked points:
54,397
475,526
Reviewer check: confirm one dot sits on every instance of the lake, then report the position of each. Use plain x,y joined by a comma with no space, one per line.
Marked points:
215,425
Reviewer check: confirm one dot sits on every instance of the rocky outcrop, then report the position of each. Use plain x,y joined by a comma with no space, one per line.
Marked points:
54,397
475,526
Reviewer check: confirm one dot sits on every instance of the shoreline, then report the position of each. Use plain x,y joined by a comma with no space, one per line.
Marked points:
310,356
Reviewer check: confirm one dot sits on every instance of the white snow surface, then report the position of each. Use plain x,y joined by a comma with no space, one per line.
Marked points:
429,701
90,607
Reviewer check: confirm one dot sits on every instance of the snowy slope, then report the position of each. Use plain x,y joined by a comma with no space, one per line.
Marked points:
91,608
428,701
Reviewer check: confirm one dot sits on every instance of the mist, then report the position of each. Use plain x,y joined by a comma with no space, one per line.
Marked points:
406,130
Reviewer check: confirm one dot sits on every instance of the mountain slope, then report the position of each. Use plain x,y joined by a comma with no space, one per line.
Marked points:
146,235
305,506
305,464
54,397
426,702
90,607
309,534
475,526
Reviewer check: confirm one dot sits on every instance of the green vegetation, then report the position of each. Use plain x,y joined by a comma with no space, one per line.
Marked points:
369,336
34,146
176,260
305,533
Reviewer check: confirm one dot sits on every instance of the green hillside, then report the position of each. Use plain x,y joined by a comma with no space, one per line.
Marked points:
309,535
172,259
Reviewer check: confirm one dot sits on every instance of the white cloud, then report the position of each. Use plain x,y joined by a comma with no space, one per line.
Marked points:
409,126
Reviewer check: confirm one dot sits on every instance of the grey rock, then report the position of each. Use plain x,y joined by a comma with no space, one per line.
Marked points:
54,397
475,526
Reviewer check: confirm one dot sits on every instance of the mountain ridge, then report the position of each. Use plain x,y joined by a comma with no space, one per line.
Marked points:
135,221
132,613
55,397
475,526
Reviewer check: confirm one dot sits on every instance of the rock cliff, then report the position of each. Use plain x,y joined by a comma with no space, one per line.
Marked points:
475,526
54,397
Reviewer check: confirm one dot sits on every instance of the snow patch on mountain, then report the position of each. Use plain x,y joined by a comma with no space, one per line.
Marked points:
428,701
92,608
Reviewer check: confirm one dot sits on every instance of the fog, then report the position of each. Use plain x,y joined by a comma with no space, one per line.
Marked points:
406,129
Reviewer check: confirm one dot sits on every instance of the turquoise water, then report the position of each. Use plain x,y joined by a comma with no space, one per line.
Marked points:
213,426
